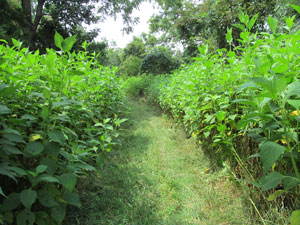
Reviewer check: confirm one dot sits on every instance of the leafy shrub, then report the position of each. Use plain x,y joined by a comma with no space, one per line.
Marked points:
252,91
136,86
59,115
159,62
131,66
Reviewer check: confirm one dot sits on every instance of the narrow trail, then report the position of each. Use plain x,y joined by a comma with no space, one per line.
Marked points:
159,177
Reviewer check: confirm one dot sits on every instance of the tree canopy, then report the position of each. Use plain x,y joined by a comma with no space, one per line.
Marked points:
37,20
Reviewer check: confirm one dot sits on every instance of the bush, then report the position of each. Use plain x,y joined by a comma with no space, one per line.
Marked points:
159,62
131,66
243,104
59,116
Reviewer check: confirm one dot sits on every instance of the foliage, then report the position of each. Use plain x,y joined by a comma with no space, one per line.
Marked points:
59,116
136,85
131,66
197,22
249,91
159,61
40,19
135,48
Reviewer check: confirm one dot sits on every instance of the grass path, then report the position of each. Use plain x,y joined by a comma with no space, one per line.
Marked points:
158,177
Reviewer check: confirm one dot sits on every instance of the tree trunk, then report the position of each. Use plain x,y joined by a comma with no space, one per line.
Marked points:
29,27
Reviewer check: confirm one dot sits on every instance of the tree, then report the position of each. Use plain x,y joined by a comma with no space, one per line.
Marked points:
130,66
194,22
39,18
159,61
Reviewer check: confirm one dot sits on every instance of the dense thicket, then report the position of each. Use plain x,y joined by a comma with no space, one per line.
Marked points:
242,105
59,115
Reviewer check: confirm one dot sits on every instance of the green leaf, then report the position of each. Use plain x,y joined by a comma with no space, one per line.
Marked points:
42,218
58,40
68,181
46,199
34,148
269,153
45,112
58,213
26,217
41,168
290,182
221,115
52,148
295,217
68,43
271,181
275,195
72,198
47,93
57,136
229,36
280,84
293,89
51,165
11,150
45,178
263,82
14,138
281,66
294,103
251,23
28,197
4,110
11,202
296,7
272,23
1,192
17,43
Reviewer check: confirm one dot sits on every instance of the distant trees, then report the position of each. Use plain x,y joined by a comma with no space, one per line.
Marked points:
194,22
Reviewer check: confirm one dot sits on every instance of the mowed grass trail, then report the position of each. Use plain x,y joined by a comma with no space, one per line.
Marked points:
158,177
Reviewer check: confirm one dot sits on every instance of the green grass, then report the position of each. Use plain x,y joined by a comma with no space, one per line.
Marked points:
158,177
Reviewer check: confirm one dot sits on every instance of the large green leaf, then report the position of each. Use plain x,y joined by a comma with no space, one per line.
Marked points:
269,153
34,148
272,23
295,217
68,181
46,199
11,202
17,138
4,109
296,7
45,178
28,197
41,168
57,136
58,213
293,89
72,198
51,165
26,217
11,150
58,39
271,181
68,43
290,182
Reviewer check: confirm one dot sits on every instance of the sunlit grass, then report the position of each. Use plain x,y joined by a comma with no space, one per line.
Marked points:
159,177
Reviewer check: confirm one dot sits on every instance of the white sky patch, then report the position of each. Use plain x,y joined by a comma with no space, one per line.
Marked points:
112,29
